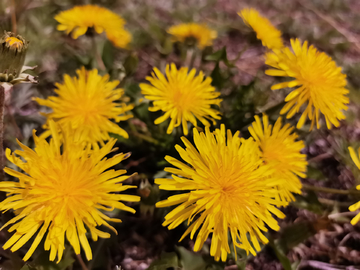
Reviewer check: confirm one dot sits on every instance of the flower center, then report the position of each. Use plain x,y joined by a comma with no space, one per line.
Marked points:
311,74
13,42
275,153
182,99
87,107
68,183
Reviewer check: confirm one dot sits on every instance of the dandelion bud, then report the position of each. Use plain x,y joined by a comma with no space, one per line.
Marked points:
12,56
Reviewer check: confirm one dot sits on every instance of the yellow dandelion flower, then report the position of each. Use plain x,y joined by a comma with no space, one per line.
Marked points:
65,188
229,190
265,31
190,33
321,84
281,151
182,96
85,105
355,206
78,19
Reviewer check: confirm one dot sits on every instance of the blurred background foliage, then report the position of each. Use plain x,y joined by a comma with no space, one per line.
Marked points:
316,233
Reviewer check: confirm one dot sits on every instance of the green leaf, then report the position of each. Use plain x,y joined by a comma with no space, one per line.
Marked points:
165,261
217,78
108,55
167,47
41,262
284,260
190,260
130,64
314,173
309,202
218,56
297,233
28,267
132,90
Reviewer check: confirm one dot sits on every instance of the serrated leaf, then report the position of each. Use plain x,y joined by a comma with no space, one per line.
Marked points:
217,78
309,202
130,64
295,234
42,261
28,267
218,56
167,46
190,260
165,261
108,55
314,173
284,260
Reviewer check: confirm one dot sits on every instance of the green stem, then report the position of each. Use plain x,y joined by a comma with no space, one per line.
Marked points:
330,190
190,58
333,203
144,137
96,253
81,262
97,55
13,17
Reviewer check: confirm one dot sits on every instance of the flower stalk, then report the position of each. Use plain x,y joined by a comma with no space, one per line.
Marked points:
330,190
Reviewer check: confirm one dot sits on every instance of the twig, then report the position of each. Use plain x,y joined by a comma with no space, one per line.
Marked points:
320,157
325,266
343,214
330,190
13,17
83,265
344,32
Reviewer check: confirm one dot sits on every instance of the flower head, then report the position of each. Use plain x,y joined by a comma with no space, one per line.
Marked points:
229,189
265,31
193,34
355,206
321,84
64,189
85,105
12,57
78,19
182,96
281,151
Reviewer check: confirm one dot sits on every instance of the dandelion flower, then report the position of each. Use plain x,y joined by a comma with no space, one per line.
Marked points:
281,151
182,96
265,31
229,190
321,84
65,188
85,105
190,33
78,19
355,206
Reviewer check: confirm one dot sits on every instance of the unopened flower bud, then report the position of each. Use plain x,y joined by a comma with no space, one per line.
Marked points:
12,56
